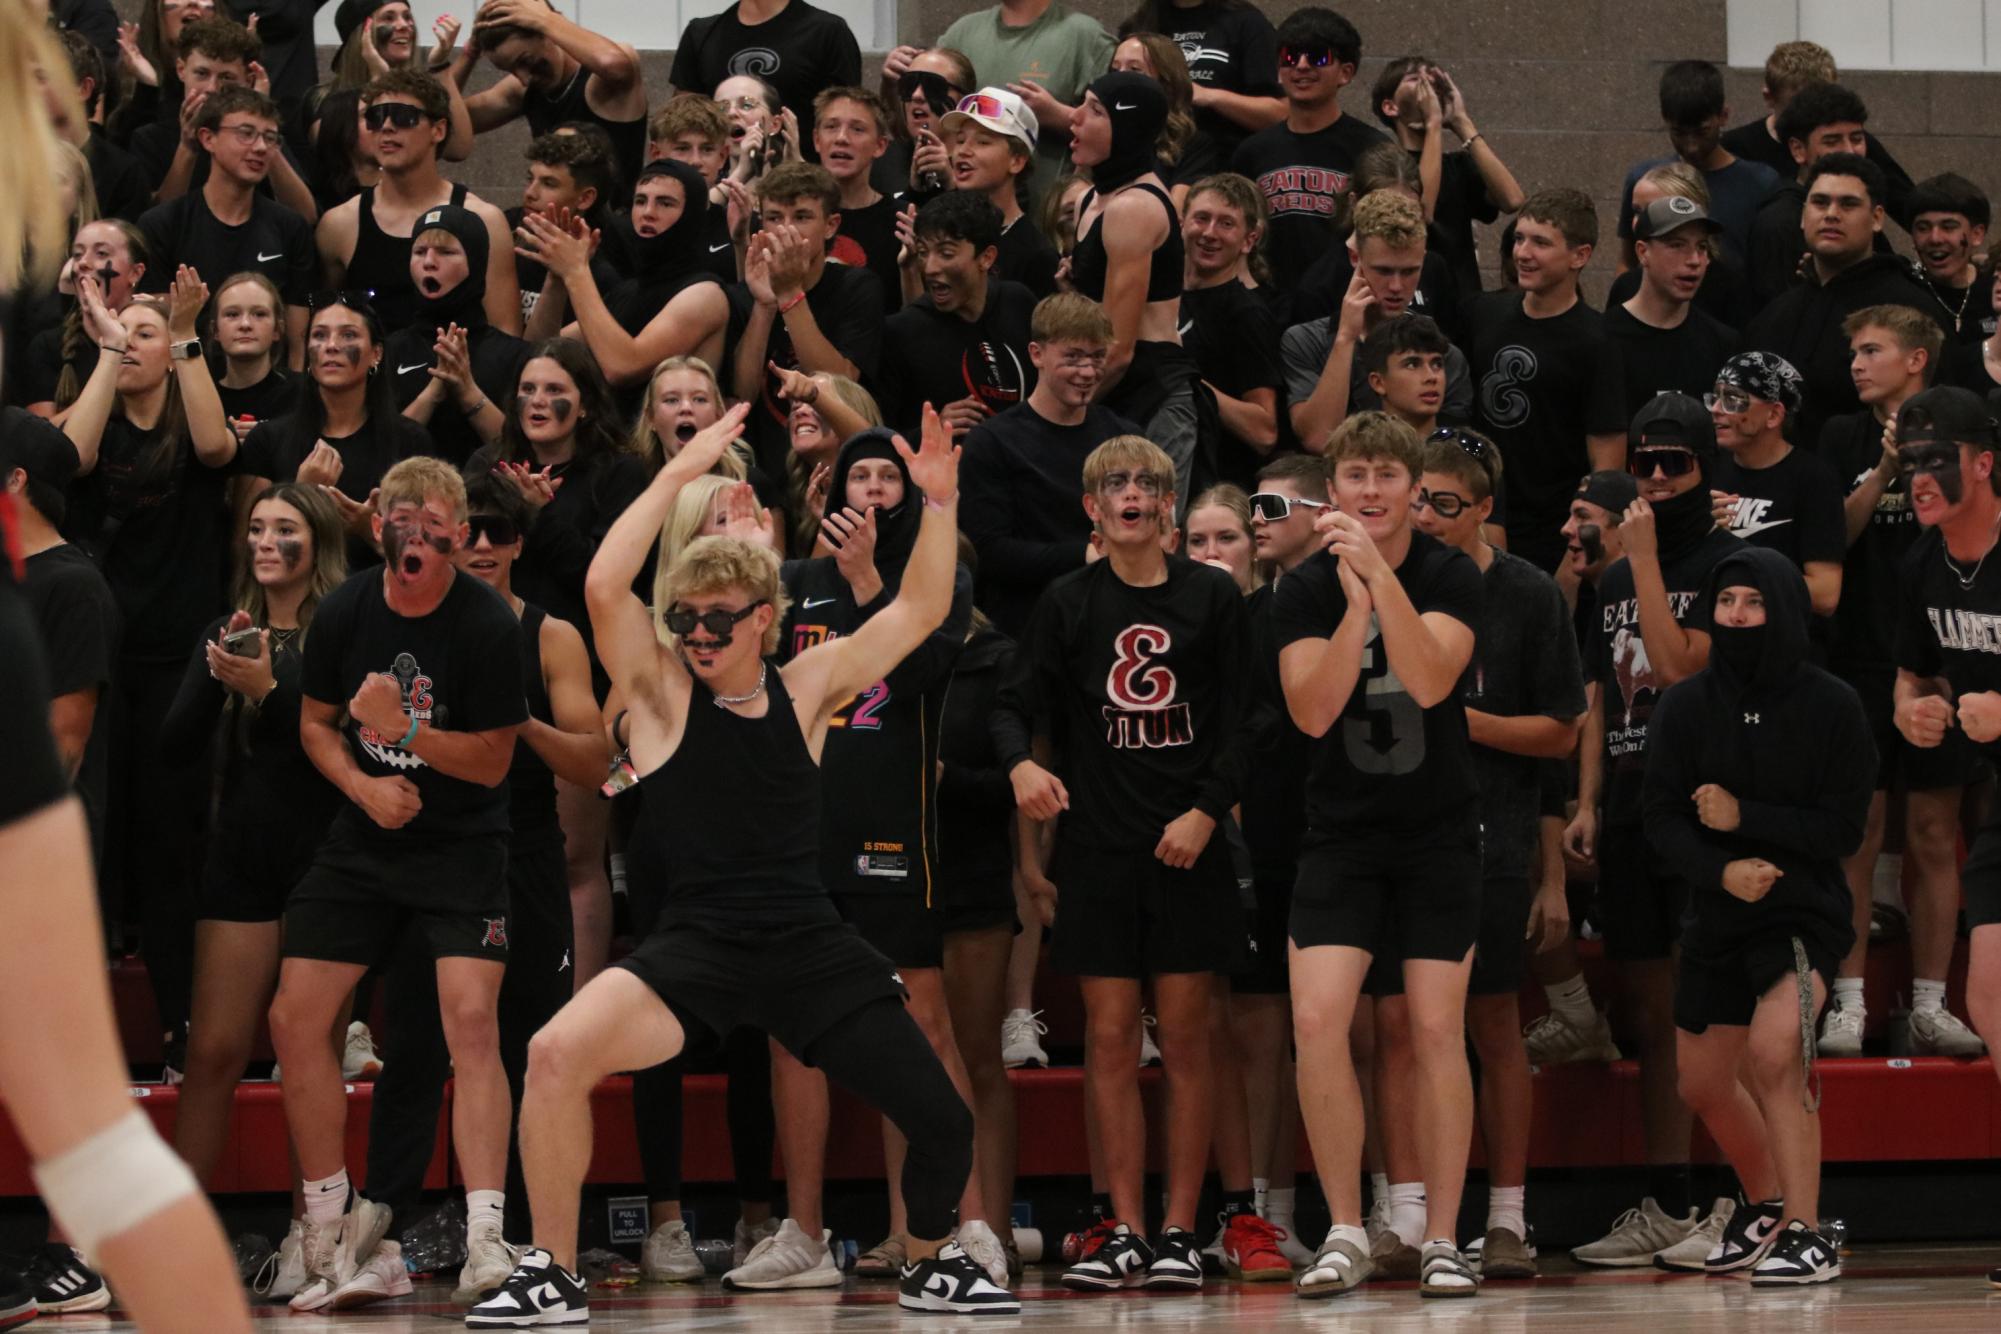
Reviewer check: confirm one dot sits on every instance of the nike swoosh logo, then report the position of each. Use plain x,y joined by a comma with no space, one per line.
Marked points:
1121,106
1751,530
1183,330
718,249
811,603
405,370
264,258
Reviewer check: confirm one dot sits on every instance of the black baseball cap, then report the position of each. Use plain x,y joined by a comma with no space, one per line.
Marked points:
1674,420
40,450
1664,215
1947,414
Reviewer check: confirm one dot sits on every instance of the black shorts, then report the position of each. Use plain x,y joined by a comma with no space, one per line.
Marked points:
356,903
976,898
1267,970
1640,901
1980,878
1723,985
1502,949
249,872
793,982
907,933
1414,898
1127,914
540,969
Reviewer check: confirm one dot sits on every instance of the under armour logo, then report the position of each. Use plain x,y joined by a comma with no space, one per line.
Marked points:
1750,717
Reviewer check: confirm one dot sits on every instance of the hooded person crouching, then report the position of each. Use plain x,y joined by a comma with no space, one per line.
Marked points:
1758,779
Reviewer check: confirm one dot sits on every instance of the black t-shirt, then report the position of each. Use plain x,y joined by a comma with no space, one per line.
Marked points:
1864,651
44,364
531,274
497,358
1387,763
1462,201
1947,628
32,777
159,529
1617,660
1637,361
275,449
938,359
1302,175
1792,507
799,51
1026,257
1231,333
1725,294
77,618
545,111
123,190
286,29
1143,692
270,398
461,670
1234,50
867,240
847,305
1274,806
1536,378
274,241
1966,314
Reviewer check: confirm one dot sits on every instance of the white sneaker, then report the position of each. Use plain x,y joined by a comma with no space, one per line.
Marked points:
335,1254
359,1060
669,1255
1553,1040
784,1260
1841,1030
1149,1051
1021,1034
489,1260
1691,1254
1637,1237
983,1247
1289,1245
1940,1033
382,1277
747,1237
284,1273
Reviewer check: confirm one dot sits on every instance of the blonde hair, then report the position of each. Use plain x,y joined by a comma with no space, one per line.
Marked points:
1170,71
693,504
1794,65
646,442
416,480
1070,317
712,565
75,170
1391,216
1677,178
1229,496
1376,435
34,238
1127,453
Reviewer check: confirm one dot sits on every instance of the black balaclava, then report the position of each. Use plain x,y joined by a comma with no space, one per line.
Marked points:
1138,109
678,250
1680,522
895,529
464,305
1758,659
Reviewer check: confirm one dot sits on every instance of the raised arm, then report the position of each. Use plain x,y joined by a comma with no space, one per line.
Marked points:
208,425
1676,651
84,424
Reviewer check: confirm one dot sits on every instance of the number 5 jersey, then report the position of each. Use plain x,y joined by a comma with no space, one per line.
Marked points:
1143,693
1387,764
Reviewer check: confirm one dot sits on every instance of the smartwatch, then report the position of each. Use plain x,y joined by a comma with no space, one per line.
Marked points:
186,351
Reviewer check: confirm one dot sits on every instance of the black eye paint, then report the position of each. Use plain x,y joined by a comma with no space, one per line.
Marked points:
561,409
440,542
1592,539
1941,461
353,355
396,540
291,550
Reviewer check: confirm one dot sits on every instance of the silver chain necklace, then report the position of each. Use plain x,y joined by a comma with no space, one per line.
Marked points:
1965,580
724,701
1964,297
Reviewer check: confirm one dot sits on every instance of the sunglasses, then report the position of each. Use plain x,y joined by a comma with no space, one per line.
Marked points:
720,624
983,105
1444,504
1667,462
1275,508
357,299
496,528
400,114
1149,483
1317,56
1732,401
1479,446
937,89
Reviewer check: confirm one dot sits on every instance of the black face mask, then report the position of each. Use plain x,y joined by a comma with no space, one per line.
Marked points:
678,251
1941,460
1740,647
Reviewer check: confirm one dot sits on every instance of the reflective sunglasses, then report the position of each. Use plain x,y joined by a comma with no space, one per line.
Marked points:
400,114
1732,401
496,528
1275,508
937,89
1445,504
1667,462
719,623
982,104
1315,55
1149,483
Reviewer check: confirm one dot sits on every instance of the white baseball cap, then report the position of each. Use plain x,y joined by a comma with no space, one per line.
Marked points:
994,109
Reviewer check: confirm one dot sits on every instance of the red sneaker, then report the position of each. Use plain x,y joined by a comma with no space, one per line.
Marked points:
1078,1245
1251,1253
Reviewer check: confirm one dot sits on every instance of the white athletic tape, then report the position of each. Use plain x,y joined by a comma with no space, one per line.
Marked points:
112,1182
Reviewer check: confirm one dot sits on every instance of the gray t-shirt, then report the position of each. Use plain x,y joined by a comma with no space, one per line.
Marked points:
1525,661
1062,50
1304,348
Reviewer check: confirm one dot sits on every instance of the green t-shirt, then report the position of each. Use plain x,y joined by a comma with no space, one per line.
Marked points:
1062,50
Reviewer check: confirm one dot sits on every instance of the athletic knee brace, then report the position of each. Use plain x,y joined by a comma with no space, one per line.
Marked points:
112,1182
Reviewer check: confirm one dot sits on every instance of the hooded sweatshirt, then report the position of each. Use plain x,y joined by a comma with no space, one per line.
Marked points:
496,356
879,824
658,267
1789,741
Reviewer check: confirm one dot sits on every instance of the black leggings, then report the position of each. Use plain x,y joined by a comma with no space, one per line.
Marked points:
657,1120
880,1055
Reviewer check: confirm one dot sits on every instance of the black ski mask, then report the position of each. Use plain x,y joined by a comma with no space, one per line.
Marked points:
465,304
1138,111
1759,659
679,249
895,527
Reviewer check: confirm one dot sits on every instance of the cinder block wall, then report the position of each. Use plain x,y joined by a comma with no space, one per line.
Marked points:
1563,88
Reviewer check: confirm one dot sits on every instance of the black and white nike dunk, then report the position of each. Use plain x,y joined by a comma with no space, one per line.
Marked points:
1745,1238
1797,1256
1177,1263
539,1292
952,1283
63,1283
1119,1261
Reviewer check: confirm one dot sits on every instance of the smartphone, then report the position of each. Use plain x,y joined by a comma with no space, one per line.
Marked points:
242,643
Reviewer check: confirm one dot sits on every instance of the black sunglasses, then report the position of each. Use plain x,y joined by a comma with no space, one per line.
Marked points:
939,92
1315,55
1479,446
719,623
359,299
400,114
1668,462
1275,508
496,528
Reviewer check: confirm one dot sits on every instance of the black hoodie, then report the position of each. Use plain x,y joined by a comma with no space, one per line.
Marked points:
879,824
1789,741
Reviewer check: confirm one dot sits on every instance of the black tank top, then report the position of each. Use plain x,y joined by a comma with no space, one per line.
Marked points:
381,264
1090,265
730,824
547,111
531,787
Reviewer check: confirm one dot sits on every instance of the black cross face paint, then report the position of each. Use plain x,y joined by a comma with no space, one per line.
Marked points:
106,274
1941,460
1591,540
291,550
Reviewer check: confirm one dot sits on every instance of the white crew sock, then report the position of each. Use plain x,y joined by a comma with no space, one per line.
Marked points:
485,1206
1847,994
1278,1205
1407,1211
1572,1001
1259,1187
1504,1209
1927,994
326,1199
